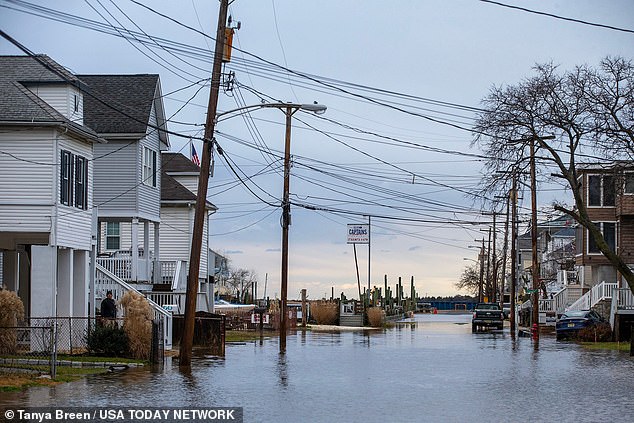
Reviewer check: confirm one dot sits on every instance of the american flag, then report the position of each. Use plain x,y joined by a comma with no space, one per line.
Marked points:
195,158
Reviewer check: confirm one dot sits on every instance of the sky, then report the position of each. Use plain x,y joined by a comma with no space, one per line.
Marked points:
402,82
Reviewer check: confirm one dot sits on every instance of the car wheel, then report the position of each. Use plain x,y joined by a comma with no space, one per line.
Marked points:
474,328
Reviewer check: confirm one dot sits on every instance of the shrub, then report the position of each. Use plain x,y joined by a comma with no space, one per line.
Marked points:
11,309
325,312
137,324
376,316
597,333
107,339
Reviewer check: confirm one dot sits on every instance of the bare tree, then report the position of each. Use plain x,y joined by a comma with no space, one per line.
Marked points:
469,280
585,110
240,280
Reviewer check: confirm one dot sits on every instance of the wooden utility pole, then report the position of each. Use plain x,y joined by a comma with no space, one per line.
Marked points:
513,251
505,251
201,199
488,284
481,257
535,264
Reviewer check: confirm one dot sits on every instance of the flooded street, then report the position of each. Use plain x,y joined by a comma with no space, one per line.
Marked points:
431,368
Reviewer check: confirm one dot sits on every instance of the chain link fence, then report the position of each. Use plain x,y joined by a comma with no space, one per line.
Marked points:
40,345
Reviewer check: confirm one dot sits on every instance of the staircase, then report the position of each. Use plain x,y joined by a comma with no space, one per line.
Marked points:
107,281
599,294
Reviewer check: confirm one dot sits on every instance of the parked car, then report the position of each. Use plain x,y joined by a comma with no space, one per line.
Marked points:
571,322
487,315
222,305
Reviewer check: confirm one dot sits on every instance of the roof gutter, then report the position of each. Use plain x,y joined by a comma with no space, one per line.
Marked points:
75,129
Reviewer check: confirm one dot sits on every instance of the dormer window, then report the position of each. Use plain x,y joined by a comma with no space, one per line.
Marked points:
601,190
75,103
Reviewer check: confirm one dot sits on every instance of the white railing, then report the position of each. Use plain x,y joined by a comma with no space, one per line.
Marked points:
546,305
108,281
625,299
121,267
599,292
176,301
168,270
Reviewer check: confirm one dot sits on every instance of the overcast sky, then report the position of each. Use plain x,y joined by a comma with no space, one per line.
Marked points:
399,79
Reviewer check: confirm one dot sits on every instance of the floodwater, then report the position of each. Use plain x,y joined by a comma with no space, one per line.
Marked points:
430,368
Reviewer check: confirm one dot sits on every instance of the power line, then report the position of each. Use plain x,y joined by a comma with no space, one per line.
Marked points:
551,15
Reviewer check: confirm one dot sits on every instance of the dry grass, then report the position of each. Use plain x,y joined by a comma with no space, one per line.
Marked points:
137,324
376,316
597,333
11,309
325,312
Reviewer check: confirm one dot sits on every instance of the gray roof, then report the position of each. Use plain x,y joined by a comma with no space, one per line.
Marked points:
119,104
16,102
171,190
18,105
173,162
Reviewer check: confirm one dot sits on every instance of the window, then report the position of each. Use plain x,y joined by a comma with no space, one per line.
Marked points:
608,229
629,183
75,103
149,167
66,187
113,236
73,180
601,190
81,182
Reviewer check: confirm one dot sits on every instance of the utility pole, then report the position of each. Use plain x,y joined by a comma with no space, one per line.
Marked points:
494,256
201,199
488,284
513,251
286,221
505,251
481,257
535,264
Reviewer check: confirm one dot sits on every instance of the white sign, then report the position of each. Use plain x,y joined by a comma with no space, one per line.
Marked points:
358,234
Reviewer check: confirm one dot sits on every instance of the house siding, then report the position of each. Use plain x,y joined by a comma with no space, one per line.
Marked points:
74,225
27,180
149,197
61,98
176,229
626,241
116,178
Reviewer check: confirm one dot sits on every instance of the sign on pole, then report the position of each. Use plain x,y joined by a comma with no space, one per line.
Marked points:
358,234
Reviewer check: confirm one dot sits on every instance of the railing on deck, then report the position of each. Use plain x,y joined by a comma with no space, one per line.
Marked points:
168,270
556,304
121,267
625,299
599,292
108,281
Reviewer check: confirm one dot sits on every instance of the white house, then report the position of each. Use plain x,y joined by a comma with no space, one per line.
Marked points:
127,111
46,186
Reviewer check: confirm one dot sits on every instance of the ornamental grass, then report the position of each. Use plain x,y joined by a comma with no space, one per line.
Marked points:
137,324
376,316
325,312
11,310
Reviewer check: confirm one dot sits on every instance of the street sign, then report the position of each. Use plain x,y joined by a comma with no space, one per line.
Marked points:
358,234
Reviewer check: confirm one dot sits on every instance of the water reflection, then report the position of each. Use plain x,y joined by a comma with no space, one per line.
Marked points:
282,370
434,367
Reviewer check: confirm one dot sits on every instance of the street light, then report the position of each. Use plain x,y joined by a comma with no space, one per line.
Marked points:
289,110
